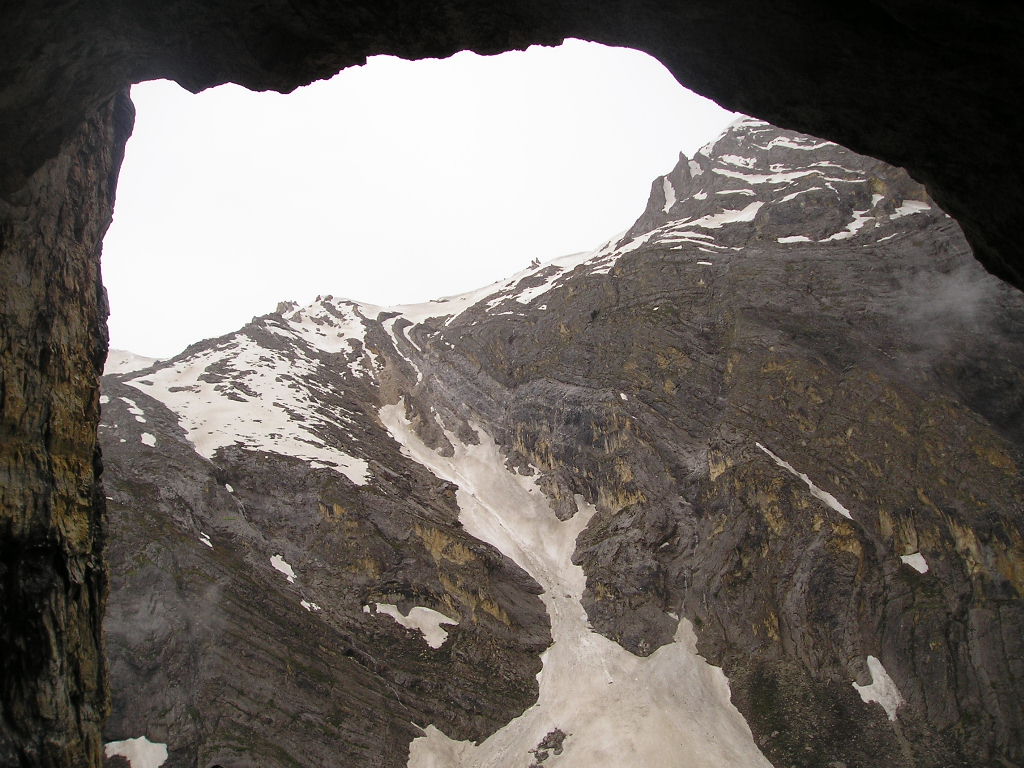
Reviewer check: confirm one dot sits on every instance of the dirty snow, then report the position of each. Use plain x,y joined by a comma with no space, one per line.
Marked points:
860,218
881,689
910,207
794,143
824,496
765,178
215,416
426,621
281,565
717,220
139,752
916,561
122,361
796,194
616,707
737,160
328,324
670,193
134,410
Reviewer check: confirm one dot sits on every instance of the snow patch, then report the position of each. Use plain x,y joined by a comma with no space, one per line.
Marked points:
795,143
794,239
205,539
824,496
104,399
228,488
916,561
281,565
147,439
670,193
766,178
860,218
881,690
122,361
139,752
910,207
717,220
267,387
705,263
134,410
799,192
328,324
695,168
310,606
426,621
737,160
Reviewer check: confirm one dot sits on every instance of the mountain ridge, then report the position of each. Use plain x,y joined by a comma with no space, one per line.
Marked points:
769,424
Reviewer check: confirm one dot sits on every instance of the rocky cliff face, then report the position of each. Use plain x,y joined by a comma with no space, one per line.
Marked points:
775,427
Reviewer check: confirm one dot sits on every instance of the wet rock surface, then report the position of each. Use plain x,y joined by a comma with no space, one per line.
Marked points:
790,393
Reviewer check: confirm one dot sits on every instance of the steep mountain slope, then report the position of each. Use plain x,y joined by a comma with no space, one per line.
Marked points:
778,422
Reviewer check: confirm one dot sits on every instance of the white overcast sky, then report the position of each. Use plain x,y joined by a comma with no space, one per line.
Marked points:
395,182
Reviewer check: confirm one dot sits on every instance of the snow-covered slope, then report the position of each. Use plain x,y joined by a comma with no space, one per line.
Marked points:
610,705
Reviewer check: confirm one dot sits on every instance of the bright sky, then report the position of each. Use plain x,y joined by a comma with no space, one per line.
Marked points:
395,182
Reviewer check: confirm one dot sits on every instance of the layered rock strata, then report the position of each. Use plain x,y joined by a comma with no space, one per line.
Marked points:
786,404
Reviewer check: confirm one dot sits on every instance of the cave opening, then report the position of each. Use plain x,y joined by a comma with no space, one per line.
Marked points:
392,183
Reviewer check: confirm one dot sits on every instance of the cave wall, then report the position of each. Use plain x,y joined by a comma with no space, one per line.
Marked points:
53,695
934,88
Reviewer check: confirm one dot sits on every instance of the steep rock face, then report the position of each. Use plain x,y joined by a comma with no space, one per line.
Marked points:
789,400
52,343
246,627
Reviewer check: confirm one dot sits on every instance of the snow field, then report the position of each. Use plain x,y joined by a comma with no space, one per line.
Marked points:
669,709
214,420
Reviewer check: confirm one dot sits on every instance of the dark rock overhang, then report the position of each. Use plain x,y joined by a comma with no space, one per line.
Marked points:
934,87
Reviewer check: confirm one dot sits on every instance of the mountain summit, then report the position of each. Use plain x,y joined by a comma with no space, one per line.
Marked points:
740,487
